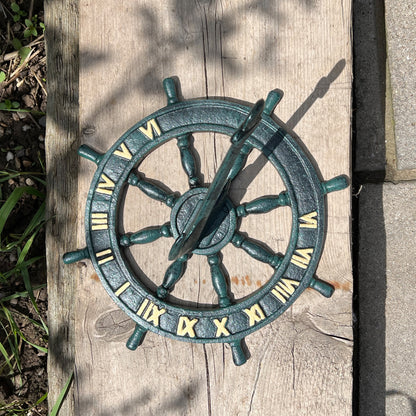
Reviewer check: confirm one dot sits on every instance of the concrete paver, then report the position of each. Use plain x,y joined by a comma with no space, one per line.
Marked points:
401,51
387,293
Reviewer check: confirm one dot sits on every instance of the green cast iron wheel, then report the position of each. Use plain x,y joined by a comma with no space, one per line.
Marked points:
204,220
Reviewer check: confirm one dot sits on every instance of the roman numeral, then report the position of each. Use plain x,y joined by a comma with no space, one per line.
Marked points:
221,329
151,128
122,288
150,312
186,326
255,313
302,258
284,289
104,256
99,221
309,220
106,186
124,152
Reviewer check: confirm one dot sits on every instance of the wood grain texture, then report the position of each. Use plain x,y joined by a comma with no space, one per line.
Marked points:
300,364
62,140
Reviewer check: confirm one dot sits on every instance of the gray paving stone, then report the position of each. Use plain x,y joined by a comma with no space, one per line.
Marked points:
387,300
401,35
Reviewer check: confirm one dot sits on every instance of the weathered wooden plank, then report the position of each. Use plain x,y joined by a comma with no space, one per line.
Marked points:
299,365
62,140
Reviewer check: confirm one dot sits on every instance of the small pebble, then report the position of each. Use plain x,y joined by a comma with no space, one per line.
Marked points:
27,163
9,156
41,138
22,115
29,182
19,83
43,295
13,301
26,127
11,182
28,100
20,153
12,257
17,163
42,121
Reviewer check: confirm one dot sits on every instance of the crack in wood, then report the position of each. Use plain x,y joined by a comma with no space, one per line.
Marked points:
253,392
293,365
208,380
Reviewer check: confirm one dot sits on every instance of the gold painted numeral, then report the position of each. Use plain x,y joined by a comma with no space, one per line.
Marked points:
124,152
99,221
150,312
255,313
284,289
221,329
122,289
302,258
309,220
104,256
151,128
107,186
186,326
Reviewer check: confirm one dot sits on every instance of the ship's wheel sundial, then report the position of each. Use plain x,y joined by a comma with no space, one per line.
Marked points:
204,220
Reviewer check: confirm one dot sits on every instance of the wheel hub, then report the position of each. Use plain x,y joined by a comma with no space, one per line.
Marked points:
217,234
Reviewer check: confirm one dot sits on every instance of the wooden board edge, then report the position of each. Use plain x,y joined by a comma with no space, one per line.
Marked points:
62,140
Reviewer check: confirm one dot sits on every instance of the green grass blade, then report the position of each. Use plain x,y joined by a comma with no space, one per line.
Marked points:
6,175
26,278
56,407
42,399
18,332
38,347
35,222
12,337
23,294
15,269
13,199
31,320
6,356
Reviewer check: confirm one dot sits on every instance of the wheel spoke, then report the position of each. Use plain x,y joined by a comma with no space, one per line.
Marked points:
219,280
256,251
324,288
145,236
184,142
335,184
239,355
188,159
174,272
263,204
151,190
136,338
